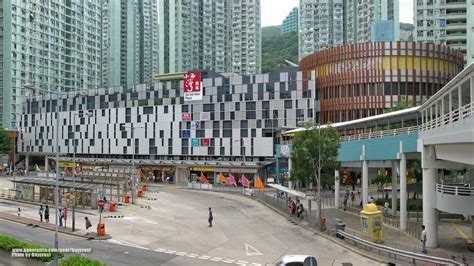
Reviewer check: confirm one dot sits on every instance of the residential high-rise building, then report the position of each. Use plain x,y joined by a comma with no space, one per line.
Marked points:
290,23
446,22
321,25
330,23
52,45
222,35
129,42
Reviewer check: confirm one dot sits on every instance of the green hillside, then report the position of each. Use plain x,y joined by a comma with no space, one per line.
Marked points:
276,48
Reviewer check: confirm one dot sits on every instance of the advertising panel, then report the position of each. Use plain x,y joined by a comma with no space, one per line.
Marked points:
186,117
205,116
195,142
192,86
186,134
205,142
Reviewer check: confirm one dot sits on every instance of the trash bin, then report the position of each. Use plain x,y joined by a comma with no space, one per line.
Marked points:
144,187
322,223
372,224
127,198
101,229
340,225
139,193
111,206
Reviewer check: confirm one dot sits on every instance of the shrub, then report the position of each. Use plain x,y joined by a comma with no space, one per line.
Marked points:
77,260
9,243
411,203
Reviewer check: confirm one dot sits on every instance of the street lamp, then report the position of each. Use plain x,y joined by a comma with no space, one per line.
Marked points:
133,159
89,113
56,240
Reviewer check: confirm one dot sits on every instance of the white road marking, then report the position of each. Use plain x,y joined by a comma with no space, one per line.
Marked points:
170,251
181,253
228,261
205,257
242,261
216,259
256,264
160,250
251,253
192,255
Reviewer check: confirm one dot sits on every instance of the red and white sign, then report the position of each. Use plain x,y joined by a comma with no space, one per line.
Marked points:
205,142
186,117
192,86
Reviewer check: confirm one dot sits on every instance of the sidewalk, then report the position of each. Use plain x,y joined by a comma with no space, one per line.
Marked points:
397,239
50,226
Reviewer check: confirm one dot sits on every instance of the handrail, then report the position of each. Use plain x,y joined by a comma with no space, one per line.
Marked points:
381,134
455,190
448,118
399,252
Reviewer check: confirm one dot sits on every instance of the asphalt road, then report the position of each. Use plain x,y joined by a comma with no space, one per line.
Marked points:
109,253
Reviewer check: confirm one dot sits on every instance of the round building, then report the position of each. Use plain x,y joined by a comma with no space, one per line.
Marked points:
364,79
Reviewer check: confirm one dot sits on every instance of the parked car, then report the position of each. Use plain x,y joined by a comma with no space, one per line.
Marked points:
298,260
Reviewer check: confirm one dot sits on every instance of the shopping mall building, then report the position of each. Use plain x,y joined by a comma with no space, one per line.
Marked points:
226,123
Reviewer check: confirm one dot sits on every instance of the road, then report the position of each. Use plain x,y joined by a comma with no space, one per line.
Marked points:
174,231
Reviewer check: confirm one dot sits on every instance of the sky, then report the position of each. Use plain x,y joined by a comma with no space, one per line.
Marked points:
275,11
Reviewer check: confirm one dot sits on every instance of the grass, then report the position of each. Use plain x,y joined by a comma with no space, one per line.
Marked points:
77,260
8,243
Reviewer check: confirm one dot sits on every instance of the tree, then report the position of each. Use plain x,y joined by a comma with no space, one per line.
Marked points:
5,141
305,153
277,47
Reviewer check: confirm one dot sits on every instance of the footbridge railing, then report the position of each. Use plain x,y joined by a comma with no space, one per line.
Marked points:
381,134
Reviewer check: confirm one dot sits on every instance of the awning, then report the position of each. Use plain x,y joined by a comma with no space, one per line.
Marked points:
288,190
52,182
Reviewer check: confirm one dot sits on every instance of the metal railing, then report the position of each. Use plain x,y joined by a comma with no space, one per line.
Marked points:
396,252
455,190
381,134
7,193
448,118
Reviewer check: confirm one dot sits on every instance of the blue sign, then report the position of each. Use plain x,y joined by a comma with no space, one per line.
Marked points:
186,134
442,23
197,125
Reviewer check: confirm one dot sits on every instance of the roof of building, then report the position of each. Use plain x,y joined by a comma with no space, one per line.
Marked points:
52,182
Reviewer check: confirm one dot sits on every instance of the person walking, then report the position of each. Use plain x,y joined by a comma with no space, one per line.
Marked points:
423,240
210,217
88,224
61,217
40,212
19,212
346,198
46,214
385,209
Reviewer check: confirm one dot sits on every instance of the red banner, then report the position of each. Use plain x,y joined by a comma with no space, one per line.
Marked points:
192,86
205,142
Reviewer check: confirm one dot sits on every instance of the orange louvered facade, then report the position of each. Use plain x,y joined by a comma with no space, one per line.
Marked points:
364,79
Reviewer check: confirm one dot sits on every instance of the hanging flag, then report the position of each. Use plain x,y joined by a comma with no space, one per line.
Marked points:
222,179
78,171
204,179
232,180
258,183
142,175
66,171
245,182
74,170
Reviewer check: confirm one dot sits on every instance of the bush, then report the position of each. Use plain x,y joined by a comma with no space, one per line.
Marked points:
411,204
9,243
77,260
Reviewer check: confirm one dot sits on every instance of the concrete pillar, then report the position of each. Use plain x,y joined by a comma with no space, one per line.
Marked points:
290,185
430,215
336,189
394,188
365,178
403,189
27,164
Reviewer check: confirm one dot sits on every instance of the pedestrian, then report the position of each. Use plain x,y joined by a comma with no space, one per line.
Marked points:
289,205
423,239
88,224
353,196
40,212
210,217
300,210
19,212
46,214
61,217
346,198
385,209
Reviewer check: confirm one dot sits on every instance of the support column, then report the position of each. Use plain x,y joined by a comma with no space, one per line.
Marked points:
403,189
27,164
46,166
336,189
290,185
430,215
365,178
394,188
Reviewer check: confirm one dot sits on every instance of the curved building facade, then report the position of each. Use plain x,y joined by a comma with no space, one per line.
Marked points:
361,80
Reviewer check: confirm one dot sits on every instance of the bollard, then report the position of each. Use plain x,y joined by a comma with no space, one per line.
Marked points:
101,229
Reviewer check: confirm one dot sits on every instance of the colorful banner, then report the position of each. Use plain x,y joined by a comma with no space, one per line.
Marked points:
186,134
195,142
192,86
205,142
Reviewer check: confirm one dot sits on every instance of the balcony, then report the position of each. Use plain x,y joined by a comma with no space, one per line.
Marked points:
455,199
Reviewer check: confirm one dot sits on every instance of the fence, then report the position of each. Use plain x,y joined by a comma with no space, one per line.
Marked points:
7,193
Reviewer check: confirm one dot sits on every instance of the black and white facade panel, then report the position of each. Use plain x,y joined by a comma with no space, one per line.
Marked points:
238,116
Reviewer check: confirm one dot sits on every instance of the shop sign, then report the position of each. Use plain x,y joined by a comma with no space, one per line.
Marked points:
186,117
186,134
195,142
237,170
196,125
205,142
192,86
202,169
66,164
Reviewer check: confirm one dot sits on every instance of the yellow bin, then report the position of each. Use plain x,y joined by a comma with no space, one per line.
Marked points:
372,224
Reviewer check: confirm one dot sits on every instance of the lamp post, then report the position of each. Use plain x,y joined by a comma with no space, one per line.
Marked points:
74,170
132,128
56,240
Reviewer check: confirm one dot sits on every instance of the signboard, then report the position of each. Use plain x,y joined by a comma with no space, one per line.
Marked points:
196,125
205,142
202,169
186,134
205,116
195,142
66,164
185,117
192,86
285,150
